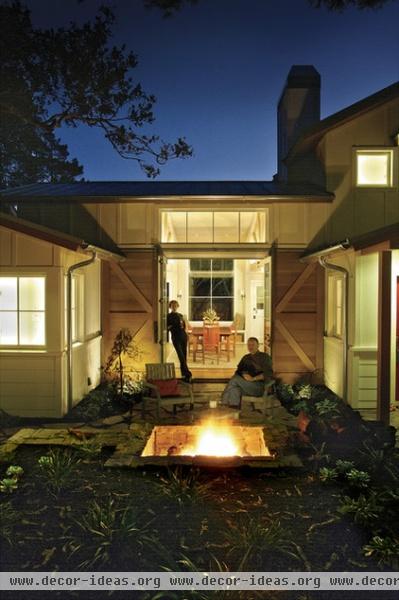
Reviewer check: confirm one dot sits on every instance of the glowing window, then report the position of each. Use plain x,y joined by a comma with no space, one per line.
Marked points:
335,305
22,311
374,168
220,227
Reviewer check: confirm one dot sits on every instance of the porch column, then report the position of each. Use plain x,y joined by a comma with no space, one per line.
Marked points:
384,336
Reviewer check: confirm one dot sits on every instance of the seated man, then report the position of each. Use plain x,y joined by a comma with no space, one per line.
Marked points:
249,379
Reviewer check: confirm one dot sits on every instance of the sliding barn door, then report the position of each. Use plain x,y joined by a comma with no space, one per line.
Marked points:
297,317
129,295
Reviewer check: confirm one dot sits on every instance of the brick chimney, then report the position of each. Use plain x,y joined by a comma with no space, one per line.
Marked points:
298,109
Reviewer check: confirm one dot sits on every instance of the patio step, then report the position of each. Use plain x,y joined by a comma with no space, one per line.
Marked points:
208,386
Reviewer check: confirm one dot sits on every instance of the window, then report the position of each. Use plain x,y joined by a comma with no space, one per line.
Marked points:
211,285
335,305
22,311
219,227
374,168
77,307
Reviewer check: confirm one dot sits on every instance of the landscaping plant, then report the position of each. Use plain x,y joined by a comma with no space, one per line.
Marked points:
57,469
105,533
10,482
250,541
124,347
184,487
9,517
384,549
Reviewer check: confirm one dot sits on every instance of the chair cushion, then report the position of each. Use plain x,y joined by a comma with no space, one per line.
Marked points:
166,387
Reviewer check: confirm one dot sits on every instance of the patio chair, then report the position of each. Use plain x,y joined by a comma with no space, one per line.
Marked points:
165,388
265,403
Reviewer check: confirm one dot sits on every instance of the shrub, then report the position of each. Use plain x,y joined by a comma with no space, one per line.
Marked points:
365,510
342,466
328,475
58,469
105,533
385,550
249,540
9,517
184,487
8,485
15,471
356,478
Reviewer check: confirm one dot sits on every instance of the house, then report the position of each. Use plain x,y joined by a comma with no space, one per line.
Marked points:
307,262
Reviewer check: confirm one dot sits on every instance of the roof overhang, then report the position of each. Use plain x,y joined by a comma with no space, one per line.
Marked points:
389,236
55,237
252,199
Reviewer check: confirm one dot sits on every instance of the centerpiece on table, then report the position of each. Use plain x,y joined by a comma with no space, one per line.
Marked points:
210,317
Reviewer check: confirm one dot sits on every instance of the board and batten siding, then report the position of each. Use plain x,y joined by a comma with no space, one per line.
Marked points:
297,317
33,382
130,300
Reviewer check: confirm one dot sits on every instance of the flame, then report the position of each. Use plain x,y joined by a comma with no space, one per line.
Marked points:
214,441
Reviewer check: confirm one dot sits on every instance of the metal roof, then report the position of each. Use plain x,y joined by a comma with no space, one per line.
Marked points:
110,190
60,238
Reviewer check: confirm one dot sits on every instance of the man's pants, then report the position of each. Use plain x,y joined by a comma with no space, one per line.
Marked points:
238,387
180,345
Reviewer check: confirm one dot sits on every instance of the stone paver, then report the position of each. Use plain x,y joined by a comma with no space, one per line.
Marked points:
129,439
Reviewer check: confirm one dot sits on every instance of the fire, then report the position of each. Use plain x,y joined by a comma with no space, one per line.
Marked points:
210,438
213,441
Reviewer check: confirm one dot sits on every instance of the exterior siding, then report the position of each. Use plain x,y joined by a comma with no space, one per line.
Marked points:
301,317
33,382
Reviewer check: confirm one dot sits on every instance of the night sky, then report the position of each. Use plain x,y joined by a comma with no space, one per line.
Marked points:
218,69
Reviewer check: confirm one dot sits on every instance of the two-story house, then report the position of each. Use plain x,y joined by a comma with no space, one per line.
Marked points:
307,262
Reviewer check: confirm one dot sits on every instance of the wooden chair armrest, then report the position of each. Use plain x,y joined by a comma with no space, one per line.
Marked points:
269,384
188,387
151,386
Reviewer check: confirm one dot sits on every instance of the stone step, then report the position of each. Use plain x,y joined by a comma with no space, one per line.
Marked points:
201,387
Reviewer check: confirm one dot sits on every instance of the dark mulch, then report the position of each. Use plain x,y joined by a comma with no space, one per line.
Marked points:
198,529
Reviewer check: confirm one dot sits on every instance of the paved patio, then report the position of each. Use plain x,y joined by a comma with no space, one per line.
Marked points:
128,436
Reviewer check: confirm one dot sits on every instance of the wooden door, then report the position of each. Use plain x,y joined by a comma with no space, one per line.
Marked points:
297,317
129,295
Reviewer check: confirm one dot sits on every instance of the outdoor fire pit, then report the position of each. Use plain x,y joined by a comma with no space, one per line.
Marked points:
211,442
207,444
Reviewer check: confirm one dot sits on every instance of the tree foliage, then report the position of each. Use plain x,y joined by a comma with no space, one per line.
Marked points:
169,7
69,77
340,5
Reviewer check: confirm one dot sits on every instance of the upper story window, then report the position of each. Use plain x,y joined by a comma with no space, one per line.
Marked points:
22,311
374,168
198,227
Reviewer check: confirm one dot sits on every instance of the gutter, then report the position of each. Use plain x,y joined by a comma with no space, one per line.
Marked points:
321,257
71,269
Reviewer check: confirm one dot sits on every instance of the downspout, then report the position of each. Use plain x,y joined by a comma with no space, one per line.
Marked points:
330,266
71,269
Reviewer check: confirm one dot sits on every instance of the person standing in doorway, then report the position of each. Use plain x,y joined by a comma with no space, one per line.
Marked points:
177,328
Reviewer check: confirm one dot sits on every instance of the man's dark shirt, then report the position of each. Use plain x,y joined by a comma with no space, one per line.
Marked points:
255,364
176,324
